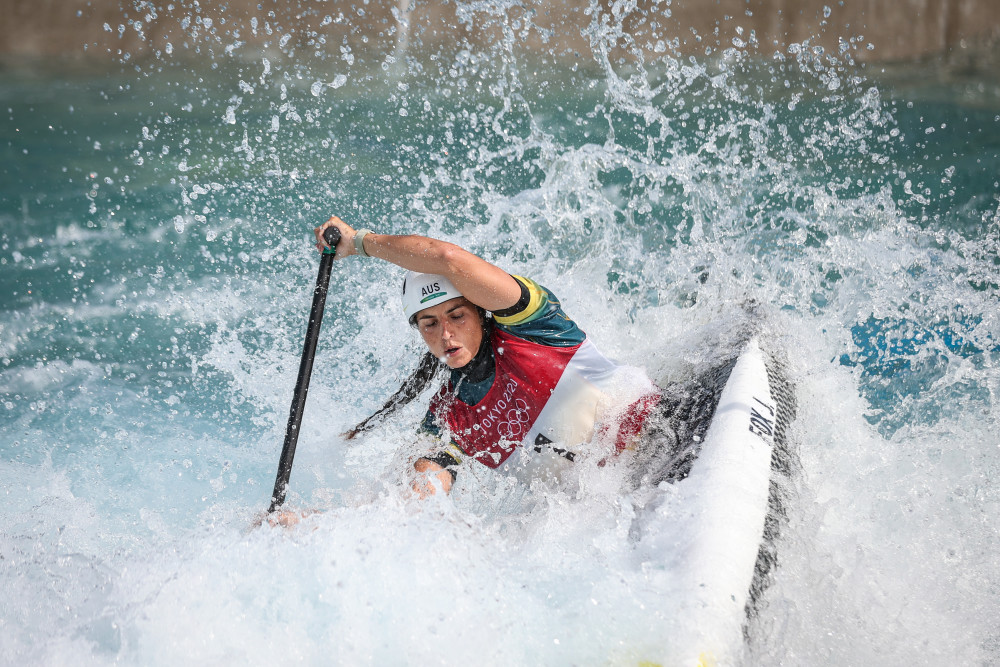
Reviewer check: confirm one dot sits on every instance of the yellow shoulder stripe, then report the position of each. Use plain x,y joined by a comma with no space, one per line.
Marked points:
536,300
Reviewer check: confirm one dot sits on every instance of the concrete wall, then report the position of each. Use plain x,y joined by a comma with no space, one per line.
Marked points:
899,29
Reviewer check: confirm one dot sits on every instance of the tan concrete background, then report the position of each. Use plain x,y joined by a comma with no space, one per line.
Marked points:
898,29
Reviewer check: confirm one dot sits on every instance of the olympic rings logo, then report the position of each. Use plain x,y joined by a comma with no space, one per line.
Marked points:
517,420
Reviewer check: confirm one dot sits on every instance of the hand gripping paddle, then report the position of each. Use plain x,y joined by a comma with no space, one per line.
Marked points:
332,237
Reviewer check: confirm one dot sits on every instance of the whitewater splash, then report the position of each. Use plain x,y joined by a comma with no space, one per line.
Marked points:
156,276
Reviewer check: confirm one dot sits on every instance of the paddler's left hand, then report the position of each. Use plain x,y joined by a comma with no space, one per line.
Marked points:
346,246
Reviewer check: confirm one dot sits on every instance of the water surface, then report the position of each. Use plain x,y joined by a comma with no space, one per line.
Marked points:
155,276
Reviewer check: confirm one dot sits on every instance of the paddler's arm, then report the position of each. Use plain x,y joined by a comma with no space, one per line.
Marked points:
479,281
427,472
437,468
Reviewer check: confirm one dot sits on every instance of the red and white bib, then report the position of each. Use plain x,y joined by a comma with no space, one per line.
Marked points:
543,394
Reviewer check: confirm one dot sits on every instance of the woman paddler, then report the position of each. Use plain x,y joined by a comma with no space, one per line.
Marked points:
527,392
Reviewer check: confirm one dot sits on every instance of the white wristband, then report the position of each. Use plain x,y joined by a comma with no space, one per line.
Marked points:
359,241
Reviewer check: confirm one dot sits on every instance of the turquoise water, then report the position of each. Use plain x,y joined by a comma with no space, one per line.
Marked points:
155,276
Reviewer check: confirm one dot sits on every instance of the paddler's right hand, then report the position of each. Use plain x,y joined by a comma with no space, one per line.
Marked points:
283,518
346,246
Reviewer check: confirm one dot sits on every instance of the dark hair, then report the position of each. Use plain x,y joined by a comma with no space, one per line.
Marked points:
414,385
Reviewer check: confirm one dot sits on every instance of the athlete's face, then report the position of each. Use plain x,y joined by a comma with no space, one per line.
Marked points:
452,330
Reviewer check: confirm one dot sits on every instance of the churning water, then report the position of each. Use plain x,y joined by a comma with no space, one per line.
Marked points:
156,274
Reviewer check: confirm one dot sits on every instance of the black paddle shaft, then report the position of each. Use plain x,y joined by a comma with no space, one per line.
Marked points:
332,237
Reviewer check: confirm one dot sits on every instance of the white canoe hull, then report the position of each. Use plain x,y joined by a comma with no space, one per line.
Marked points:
703,536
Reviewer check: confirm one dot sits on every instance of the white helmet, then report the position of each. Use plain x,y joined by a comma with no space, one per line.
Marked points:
424,290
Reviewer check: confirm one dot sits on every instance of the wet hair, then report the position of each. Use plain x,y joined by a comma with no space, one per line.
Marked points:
413,386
